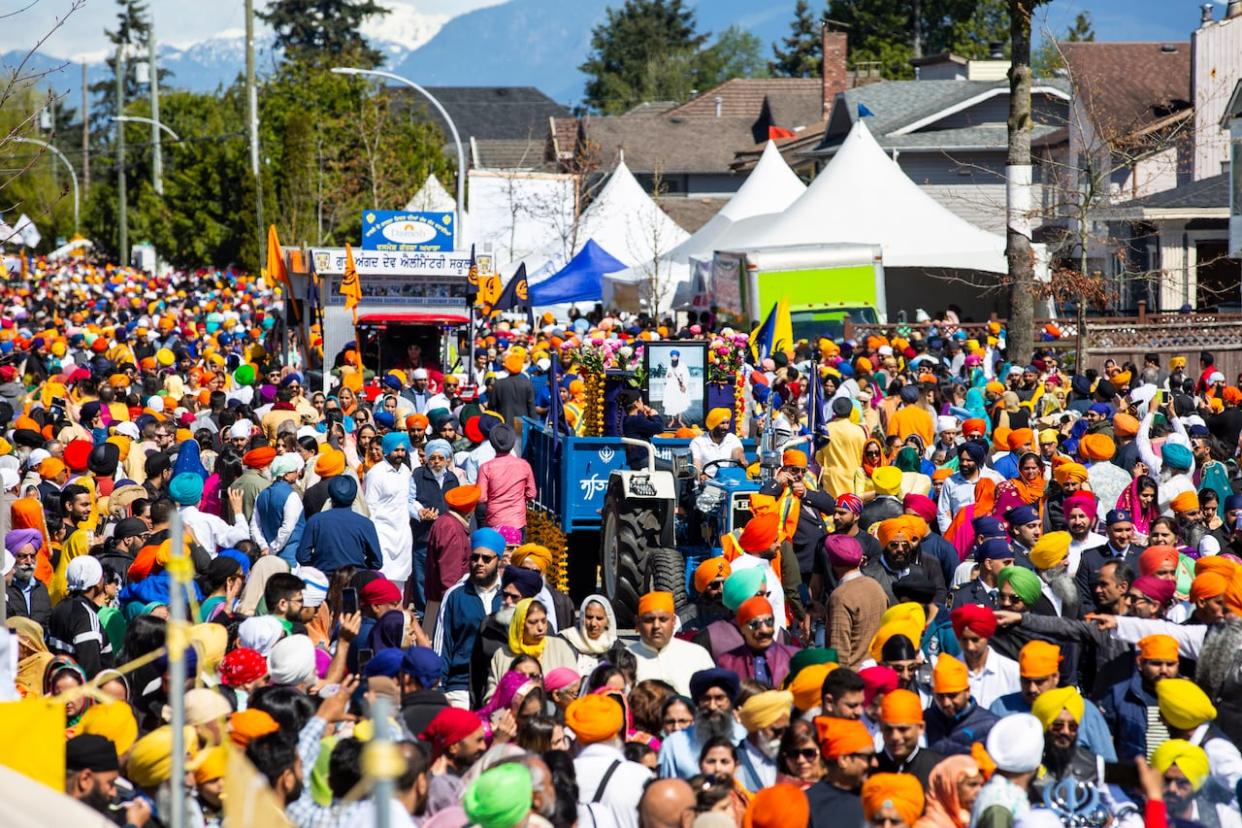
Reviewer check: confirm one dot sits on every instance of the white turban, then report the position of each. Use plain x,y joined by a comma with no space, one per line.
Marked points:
285,463
292,661
83,572
240,430
316,589
947,422
1016,743
260,633
127,429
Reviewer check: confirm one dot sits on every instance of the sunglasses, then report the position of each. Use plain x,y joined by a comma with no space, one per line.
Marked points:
513,596
808,754
761,623
482,558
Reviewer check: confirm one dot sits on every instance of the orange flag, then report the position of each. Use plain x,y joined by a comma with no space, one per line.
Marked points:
351,285
276,273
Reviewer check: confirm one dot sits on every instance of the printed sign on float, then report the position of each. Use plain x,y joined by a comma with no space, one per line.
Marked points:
402,231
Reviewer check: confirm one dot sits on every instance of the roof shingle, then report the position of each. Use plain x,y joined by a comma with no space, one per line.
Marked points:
1126,86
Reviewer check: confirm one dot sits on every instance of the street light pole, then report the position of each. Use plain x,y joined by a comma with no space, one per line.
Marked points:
122,196
157,156
73,175
155,125
459,236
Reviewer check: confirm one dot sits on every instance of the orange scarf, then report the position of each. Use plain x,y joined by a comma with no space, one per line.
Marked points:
1030,492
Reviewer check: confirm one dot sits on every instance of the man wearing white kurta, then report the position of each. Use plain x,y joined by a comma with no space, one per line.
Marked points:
659,655
387,487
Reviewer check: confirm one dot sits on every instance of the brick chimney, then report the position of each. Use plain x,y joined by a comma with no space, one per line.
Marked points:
836,50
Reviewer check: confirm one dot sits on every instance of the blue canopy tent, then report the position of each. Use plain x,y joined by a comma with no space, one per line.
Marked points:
582,280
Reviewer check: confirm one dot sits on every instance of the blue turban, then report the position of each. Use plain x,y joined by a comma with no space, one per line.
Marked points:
488,538
186,489
385,662
385,419
241,557
342,490
975,450
188,460
672,353
527,581
1177,457
394,440
704,680
424,665
993,549
1103,409
440,447
1021,515
988,527
1233,502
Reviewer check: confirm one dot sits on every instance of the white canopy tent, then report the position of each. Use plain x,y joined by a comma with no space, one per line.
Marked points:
863,196
432,198
770,188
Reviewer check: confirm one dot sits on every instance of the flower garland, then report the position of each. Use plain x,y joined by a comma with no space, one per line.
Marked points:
543,530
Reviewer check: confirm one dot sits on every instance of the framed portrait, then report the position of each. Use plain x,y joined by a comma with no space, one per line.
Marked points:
677,381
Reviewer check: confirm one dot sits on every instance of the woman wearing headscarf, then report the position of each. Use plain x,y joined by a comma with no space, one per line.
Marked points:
1027,489
252,596
1139,499
528,635
961,532
33,657
951,790
594,635
508,705
873,457
915,476
63,675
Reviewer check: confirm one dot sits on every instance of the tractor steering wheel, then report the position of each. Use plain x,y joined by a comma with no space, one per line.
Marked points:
723,460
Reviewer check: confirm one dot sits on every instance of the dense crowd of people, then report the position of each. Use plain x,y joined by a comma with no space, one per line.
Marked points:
980,594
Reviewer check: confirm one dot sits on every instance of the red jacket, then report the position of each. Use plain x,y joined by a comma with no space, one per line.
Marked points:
448,554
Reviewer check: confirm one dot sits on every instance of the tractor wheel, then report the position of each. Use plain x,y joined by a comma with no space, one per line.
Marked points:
631,544
666,571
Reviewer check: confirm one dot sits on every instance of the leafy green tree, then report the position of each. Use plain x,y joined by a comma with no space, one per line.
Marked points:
801,52
627,46
975,28
880,32
736,54
1048,58
324,30
33,180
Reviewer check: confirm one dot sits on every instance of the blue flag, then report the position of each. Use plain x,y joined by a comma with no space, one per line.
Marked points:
818,413
864,111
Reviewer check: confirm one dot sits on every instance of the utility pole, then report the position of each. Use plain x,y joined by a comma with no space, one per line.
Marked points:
120,155
252,125
86,133
157,155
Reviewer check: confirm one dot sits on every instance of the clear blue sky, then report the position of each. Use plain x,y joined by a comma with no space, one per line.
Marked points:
1126,19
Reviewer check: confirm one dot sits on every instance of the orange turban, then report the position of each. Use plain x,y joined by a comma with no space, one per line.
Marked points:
894,529
656,602
1066,472
973,426
1231,395
1207,585
1038,659
1000,438
259,458
949,675
710,570
1185,502
51,467
753,608
249,725
841,737
1156,556
761,532
594,718
793,457
1019,437
330,463
761,504
942,474
1158,648
463,498
416,422
779,806
808,685
1096,448
901,707
900,791
1125,425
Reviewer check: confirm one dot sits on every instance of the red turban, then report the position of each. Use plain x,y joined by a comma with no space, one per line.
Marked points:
1157,589
450,726
380,591
878,680
1154,557
761,532
978,619
77,453
242,666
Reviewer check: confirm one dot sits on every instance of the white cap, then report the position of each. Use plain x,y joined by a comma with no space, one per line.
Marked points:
886,350
37,456
128,429
419,373
947,422
1143,394
1216,377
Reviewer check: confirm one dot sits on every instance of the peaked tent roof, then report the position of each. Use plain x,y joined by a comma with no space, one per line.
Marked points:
432,198
862,196
770,188
582,280
626,221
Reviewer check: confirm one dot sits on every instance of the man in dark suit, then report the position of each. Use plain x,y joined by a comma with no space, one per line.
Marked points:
1120,548
513,396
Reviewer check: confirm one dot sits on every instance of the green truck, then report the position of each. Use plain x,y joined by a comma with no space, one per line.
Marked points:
824,283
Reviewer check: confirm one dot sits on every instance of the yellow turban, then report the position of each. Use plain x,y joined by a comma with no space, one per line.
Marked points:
150,762
1049,704
905,612
1050,550
949,675
717,416
212,641
1191,759
1183,703
533,552
808,686
763,709
887,480
909,629
1066,472
212,764
114,721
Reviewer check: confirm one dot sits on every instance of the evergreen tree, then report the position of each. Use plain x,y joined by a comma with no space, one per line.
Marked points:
736,54
630,44
324,30
803,51
1048,58
133,31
